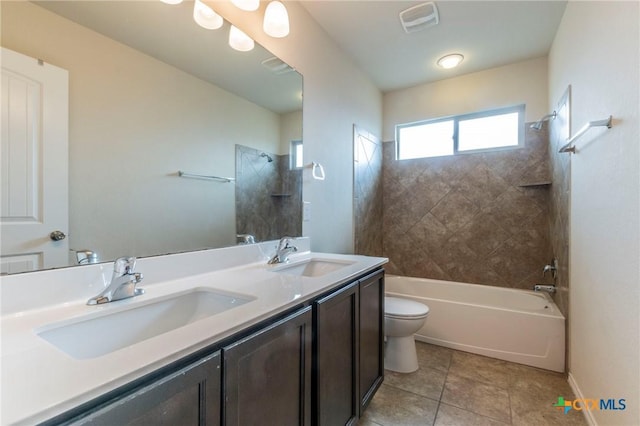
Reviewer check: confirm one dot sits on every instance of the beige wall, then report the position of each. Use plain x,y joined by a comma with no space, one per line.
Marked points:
596,50
290,130
520,83
134,122
336,95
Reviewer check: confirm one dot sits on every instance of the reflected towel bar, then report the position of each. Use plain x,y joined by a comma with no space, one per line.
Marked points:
197,176
597,123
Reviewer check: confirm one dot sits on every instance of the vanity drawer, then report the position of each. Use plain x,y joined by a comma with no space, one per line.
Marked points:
188,396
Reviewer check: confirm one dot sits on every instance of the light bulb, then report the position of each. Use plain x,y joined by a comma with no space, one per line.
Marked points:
205,16
171,1
248,5
276,20
239,40
450,61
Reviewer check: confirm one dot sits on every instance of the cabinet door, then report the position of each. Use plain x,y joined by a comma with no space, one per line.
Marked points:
267,375
336,357
371,336
189,396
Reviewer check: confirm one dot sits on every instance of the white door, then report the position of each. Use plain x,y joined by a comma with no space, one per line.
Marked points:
34,164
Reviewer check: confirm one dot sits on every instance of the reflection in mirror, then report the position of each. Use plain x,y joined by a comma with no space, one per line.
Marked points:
268,195
151,93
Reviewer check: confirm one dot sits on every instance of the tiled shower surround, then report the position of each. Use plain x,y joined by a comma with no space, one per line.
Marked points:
268,195
559,215
367,198
479,218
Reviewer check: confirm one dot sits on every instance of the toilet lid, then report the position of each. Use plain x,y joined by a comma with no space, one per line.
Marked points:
404,308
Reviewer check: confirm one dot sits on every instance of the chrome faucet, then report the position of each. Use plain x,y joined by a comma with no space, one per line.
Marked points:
552,267
123,283
282,252
245,239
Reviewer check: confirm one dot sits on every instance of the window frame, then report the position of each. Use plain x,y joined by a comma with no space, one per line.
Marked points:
520,109
294,155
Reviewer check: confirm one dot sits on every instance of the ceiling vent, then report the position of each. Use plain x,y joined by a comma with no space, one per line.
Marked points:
419,17
276,66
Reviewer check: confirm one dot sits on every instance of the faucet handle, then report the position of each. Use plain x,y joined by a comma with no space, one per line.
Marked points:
124,265
285,242
552,267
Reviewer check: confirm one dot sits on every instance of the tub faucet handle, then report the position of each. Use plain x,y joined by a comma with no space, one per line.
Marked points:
552,267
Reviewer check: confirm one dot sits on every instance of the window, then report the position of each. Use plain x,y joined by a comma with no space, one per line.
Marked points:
296,155
481,131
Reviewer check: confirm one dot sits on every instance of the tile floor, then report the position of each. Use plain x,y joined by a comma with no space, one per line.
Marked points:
462,389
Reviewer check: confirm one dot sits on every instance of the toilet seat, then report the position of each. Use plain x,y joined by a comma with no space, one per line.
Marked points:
395,307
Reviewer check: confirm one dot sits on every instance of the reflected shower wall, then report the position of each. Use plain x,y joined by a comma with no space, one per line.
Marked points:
268,195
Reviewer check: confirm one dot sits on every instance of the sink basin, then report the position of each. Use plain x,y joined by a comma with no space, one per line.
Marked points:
99,336
313,267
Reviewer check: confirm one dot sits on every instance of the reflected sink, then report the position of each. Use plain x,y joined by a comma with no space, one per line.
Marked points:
99,336
312,267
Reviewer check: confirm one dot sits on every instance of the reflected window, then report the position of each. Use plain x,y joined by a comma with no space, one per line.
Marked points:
296,154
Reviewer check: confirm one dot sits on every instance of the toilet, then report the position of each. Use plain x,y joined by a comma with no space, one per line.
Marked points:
402,319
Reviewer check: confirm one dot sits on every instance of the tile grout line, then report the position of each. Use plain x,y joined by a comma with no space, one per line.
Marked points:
444,384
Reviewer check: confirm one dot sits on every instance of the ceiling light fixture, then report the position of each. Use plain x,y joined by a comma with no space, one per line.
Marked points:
450,61
206,17
239,40
276,20
248,5
275,23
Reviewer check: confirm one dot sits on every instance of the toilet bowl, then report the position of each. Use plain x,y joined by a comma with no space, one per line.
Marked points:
402,319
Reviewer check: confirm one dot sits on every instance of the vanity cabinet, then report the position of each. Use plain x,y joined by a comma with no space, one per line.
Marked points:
267,375
336,350
349,362
320,364
188,396
371,346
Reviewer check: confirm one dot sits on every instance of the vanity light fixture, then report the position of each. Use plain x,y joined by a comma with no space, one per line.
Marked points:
248,5
450,61
276,20
239,40
171,1
205,16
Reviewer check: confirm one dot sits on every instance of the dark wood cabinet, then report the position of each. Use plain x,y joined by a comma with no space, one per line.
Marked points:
336,353
349,351
319,365
188,396
371,337
267,375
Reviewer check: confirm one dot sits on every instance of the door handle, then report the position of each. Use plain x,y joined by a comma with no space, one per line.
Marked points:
57,236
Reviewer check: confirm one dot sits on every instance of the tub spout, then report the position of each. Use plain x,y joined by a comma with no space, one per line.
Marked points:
551,289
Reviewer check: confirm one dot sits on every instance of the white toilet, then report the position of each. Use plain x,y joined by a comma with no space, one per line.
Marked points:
402,319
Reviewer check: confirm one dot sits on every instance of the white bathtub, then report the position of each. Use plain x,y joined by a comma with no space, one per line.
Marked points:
515,325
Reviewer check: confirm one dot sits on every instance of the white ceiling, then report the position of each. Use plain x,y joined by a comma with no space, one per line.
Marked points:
487,33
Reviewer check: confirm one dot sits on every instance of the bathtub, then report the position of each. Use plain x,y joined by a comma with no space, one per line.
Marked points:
514,325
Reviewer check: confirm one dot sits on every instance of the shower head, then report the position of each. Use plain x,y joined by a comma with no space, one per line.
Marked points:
264,154
538,124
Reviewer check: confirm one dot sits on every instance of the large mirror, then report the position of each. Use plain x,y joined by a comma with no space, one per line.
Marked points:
152,94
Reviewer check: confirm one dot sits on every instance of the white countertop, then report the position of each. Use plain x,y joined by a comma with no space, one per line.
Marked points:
40,381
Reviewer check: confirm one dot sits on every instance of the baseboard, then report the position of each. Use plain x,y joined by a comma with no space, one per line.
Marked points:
588,415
